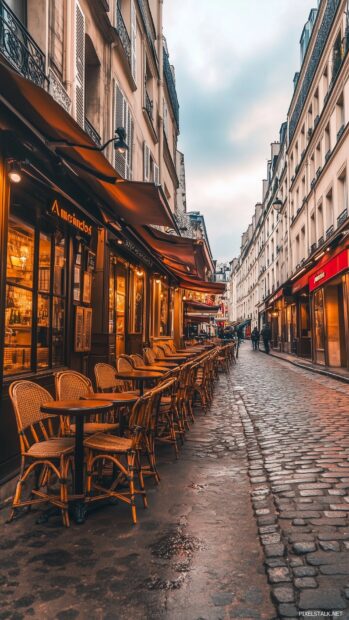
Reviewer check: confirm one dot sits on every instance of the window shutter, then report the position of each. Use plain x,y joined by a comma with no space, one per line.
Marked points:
79,65
133,39
146,162
119,106
156,174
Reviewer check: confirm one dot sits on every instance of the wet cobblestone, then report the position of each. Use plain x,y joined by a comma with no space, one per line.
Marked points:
297,426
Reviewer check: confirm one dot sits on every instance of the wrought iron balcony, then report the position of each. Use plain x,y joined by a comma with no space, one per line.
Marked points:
329,231
313,247
149,106
320,240
171,87
342,217
19,48
90,130
122,32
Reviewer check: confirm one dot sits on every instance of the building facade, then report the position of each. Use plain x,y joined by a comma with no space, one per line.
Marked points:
92,261
298,235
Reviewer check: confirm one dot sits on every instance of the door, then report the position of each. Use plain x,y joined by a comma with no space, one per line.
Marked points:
319,327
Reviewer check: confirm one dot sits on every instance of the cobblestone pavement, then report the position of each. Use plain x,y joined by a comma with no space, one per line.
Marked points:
297,429
194,555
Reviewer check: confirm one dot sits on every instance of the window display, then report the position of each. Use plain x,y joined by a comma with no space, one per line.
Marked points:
136,301
34,295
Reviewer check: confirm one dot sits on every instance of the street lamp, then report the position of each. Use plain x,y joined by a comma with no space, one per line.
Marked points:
277,204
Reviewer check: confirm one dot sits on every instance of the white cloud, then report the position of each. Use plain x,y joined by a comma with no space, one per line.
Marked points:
218,48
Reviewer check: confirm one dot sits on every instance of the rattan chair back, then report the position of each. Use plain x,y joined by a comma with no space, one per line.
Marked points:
159,352
149,356
125,363
106,381
33,425
72,385
138,360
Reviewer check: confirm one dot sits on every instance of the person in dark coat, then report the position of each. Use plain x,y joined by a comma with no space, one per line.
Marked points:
266,335
255,339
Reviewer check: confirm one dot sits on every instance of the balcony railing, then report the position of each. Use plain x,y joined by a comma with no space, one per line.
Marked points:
342,217
122,32
320,240
171,87
329,231
313,247
19,48
90,130
149,106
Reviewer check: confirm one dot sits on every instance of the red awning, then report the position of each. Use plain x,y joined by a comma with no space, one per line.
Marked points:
137,203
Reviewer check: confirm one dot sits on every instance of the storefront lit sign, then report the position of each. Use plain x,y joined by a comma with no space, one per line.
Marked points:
276,296
329,270
71,218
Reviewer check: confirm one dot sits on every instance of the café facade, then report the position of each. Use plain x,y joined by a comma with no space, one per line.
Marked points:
85,272
309,315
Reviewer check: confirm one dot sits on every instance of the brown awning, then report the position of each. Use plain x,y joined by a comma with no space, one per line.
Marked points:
198,305
137,203
183,255
215,288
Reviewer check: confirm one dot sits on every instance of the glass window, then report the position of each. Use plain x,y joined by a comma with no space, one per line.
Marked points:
319,319
58,323
136,301
164,309
18,330
32,346
59,266
20,253
43,331
44,263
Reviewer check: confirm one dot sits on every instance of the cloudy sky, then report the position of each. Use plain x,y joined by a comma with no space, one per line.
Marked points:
234,62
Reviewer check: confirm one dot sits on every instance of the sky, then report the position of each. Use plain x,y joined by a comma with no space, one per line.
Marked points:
234,62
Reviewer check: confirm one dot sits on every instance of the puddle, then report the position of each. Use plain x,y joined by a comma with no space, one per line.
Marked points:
175,544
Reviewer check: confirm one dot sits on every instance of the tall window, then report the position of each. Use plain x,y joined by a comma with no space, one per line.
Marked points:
329,213
56,20
35,299
123,118
342,195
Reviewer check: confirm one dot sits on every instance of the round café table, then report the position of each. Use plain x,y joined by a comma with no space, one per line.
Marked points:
79,409
116,398
152,368
139,375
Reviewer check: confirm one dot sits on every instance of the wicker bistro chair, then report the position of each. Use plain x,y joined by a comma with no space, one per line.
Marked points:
168,423
41,450
71,385
150,359
106,380
160,358
125,454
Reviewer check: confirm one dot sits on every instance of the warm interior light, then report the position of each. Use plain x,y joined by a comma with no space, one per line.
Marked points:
14,172
184,298
120,242
139,272
319,255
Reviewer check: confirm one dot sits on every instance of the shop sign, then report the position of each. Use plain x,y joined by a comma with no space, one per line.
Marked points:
329,270
276,296
71,218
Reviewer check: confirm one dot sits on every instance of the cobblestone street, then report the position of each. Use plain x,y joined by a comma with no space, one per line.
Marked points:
297,426
276,434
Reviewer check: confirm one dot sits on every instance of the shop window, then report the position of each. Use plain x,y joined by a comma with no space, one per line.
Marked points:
35,299
319,332
136,304
162,308
117,302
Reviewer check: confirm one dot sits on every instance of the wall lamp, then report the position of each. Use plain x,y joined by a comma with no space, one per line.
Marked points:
119,143
277,205
14,171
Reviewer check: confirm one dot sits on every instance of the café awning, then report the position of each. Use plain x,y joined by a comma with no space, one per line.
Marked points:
198,305
134,202
192,284
182,255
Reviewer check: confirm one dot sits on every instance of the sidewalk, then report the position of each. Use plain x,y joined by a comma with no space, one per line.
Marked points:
341,374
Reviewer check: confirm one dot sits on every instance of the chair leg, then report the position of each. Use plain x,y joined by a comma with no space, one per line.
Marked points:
130,474
18,493
141,479
63,470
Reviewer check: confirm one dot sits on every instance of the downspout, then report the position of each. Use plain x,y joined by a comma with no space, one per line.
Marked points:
160,92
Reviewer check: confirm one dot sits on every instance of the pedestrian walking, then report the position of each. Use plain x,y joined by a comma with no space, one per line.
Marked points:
255,339
266,335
